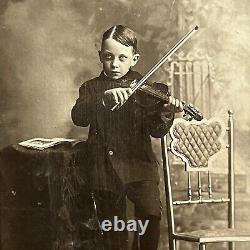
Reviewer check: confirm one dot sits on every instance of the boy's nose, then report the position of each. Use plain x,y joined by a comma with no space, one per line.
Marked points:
115,63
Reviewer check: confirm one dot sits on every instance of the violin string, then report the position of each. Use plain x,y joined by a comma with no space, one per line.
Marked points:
150,90
187,109
162,96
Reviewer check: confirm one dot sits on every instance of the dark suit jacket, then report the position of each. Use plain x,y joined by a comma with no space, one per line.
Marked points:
119,141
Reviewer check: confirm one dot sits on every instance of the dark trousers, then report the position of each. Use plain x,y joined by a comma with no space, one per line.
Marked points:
146,198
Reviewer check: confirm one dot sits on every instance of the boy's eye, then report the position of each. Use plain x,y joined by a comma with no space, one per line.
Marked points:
107,56
123,57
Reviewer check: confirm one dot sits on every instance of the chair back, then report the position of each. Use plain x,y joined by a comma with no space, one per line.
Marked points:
196,144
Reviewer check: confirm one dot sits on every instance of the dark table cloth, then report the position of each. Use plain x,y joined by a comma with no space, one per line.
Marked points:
45,202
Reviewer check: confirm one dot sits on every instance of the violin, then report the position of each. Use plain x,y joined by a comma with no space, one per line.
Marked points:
161,92
156,90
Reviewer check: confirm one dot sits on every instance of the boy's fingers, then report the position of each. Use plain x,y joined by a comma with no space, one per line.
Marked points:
129,91
125,95
170,99
173,101
174,105
177,103
115,96
120,96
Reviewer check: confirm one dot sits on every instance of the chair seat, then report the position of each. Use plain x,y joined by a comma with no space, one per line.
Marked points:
218,235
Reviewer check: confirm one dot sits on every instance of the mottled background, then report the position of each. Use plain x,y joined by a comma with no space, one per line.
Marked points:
47,48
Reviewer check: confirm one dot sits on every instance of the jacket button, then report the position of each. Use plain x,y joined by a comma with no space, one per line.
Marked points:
111,152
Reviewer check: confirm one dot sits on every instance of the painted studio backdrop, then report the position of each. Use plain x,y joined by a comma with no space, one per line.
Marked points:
49,47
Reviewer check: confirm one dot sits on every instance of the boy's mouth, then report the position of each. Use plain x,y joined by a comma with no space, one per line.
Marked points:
114,74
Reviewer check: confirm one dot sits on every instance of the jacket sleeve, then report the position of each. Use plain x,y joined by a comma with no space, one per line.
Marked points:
87,105
158,121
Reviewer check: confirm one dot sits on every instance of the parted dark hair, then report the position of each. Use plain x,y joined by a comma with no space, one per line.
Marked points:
123,35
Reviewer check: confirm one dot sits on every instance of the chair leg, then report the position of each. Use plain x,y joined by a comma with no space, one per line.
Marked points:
177,244
231,245
172,244
202,246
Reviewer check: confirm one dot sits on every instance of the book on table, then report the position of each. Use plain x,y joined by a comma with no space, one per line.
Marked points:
43,143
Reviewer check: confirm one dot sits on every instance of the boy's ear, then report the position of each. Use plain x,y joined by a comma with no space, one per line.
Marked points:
135,59
100,55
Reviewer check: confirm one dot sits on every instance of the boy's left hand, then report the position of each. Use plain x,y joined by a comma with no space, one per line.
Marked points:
174,106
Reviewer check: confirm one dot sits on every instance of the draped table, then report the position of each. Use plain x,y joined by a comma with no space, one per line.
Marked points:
45,200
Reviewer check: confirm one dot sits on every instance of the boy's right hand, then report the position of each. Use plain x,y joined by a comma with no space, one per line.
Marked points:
116,96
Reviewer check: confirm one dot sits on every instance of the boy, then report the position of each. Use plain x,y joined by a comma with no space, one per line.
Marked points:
120,157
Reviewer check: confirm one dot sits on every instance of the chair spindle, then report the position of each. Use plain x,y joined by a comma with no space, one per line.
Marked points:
209,185
199,185
189,187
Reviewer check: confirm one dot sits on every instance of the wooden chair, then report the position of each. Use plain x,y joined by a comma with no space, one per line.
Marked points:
196,144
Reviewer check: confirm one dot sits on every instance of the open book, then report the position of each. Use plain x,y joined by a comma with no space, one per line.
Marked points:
43,143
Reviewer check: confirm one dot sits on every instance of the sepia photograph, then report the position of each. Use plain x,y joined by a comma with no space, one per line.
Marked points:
124,125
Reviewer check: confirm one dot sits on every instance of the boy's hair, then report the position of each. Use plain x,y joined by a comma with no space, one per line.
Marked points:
123,35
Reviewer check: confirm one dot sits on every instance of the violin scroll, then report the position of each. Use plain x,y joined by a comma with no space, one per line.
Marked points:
191,112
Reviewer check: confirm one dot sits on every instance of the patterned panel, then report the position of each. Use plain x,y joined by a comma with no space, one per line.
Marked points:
196,142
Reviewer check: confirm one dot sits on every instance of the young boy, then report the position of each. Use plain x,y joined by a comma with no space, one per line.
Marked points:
120,157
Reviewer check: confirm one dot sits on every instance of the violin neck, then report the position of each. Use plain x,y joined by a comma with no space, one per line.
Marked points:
155,92
189,110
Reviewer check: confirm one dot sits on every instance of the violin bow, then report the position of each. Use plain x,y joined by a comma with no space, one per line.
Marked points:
135,85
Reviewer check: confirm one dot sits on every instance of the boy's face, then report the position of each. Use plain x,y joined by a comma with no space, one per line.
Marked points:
117,58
